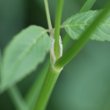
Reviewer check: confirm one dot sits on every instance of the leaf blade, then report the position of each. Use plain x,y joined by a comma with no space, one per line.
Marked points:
78,23
24,53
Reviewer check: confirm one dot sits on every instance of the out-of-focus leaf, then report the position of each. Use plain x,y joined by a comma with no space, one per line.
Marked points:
77,24
23,54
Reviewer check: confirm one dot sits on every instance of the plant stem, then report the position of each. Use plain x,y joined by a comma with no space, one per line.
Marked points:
17,98
53,73
32,96
80,43
48,14
88,5
47,88
66,41
57,27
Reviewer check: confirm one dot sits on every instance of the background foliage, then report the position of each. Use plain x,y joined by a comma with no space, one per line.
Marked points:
84,83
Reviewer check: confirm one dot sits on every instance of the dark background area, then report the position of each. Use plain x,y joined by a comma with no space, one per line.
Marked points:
85,83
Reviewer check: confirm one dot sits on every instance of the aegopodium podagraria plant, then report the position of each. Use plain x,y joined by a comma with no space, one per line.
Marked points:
29,48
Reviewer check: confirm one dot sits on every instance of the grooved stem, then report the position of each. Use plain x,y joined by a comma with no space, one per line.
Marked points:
47,88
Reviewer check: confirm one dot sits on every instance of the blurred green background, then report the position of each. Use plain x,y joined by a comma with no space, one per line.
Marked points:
85,83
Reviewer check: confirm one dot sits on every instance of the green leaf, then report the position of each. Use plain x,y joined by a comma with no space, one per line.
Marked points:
23,54
78,23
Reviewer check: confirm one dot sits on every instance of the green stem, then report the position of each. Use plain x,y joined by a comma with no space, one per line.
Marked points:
66,41
32,96
47,88
17,98
52,74
57,27
88,5
80,43
48,14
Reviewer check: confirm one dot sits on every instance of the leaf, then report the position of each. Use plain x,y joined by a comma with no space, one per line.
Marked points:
23,54
77,24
